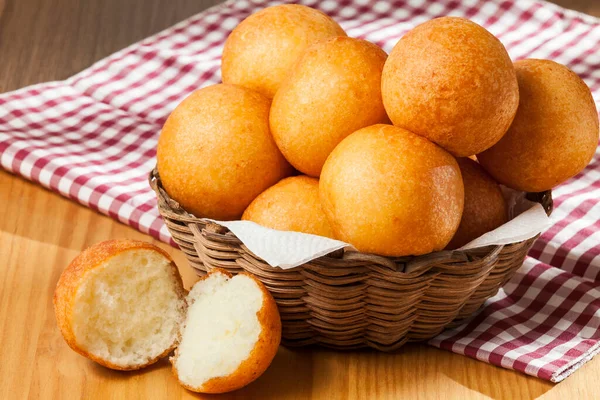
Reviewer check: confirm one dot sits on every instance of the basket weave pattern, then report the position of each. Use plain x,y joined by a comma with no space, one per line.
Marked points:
348,299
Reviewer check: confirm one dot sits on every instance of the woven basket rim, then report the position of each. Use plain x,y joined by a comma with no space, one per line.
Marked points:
170,208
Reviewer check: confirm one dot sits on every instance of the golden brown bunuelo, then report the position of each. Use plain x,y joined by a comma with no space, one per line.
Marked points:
334,90
262,50
216,154
451,81
555,132
292,204
485,207
390,192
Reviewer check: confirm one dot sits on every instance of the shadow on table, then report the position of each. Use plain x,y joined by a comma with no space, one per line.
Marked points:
414,371
497,383
422,371
289,374
111,374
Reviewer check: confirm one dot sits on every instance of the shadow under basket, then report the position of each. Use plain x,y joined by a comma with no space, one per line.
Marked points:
348,299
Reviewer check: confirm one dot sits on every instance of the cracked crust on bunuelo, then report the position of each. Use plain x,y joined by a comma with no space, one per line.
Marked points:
261,355
74,275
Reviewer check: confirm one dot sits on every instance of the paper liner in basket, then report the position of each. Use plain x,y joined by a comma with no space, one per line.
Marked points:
286,249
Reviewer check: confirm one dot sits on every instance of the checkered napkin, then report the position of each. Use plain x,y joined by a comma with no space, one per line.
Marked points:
92,138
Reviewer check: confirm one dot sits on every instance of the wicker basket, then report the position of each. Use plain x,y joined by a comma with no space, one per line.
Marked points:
348,299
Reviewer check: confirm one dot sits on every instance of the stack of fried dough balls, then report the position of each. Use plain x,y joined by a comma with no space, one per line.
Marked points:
381,143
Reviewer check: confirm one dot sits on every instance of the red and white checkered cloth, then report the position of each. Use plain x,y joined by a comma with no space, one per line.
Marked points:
92,138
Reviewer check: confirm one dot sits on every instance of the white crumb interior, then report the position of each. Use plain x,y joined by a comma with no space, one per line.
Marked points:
128,311
221,328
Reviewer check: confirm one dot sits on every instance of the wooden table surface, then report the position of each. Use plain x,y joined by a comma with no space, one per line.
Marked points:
41,232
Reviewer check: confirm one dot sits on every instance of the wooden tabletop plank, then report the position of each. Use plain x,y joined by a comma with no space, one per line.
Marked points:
41,232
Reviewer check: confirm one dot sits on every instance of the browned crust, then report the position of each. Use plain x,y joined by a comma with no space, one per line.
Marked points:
292,204
261,355
484,208
554,135
74,275
438,82
253,54
219,178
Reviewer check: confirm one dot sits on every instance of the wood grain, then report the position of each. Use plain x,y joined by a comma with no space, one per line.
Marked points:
41,232
591,7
